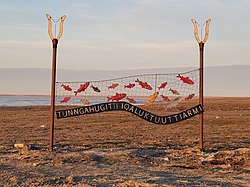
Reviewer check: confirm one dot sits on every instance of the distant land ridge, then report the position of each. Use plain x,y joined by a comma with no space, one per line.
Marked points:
219,80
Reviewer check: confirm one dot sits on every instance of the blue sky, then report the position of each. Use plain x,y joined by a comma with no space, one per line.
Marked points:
124,34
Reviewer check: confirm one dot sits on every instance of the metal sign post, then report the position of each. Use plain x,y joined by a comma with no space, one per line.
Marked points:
201,90
53,79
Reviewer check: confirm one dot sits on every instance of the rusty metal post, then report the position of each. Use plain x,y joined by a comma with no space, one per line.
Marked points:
201,46
201,86
53,79
53,89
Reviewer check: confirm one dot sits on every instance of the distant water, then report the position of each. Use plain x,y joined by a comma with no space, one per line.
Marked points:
34,100
20,100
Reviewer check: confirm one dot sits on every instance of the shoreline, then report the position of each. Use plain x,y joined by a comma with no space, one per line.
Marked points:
46,95
38,95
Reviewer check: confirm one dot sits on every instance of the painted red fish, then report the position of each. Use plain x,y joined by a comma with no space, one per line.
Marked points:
163,85
113,86
129,86
66,87
144,85
165,98
186,80
190,96
175,92
65,100
82,87
152,98
117,97
96,89
131,100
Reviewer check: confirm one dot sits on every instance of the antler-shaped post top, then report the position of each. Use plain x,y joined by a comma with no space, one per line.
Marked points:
196,31
50,27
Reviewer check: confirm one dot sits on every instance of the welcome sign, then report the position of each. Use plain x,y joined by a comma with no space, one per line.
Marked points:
125,106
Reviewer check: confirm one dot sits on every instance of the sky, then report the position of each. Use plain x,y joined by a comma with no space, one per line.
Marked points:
123,34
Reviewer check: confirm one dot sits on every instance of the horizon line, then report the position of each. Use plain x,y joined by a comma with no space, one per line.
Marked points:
171,67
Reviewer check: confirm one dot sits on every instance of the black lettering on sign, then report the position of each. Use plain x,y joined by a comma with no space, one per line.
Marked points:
153,118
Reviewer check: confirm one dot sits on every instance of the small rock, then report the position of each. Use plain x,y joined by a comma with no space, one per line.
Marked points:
32,147
74,179
244,150
39,163
19,145
130,183
14,179
70,179
228,152
181,181
166,159
24,150
35,164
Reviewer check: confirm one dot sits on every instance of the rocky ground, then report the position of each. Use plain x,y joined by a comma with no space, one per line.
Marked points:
119,149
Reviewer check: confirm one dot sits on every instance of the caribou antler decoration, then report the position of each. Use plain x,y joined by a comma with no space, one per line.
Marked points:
50,27
196,31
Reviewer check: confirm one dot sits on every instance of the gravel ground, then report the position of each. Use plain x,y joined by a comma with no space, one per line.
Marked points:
120,149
